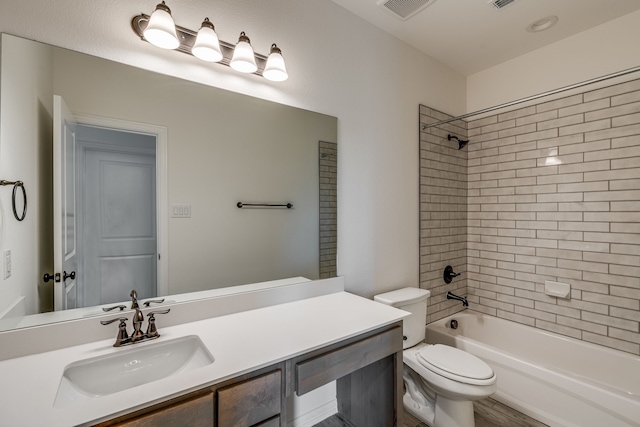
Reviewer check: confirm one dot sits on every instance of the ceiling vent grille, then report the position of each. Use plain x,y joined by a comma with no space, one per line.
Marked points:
404,9
499,4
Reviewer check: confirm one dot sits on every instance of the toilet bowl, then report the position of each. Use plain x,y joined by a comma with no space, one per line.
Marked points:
441,381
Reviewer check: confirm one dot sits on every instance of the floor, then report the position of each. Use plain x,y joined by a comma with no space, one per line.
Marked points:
488,413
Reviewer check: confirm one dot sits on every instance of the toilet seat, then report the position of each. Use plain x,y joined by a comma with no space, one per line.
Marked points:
455,364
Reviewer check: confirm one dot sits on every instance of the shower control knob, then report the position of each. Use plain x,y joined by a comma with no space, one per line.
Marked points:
448,274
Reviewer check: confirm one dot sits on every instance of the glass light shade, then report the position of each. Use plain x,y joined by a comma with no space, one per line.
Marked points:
161,30
275,69
243,58
207,45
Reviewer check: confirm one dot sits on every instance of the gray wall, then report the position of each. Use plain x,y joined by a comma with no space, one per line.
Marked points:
25,140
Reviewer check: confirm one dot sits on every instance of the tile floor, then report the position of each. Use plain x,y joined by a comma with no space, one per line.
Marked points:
488,413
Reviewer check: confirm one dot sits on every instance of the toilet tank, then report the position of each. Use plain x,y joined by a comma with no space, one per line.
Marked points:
413,300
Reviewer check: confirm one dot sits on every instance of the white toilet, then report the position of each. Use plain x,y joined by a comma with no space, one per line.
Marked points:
441,381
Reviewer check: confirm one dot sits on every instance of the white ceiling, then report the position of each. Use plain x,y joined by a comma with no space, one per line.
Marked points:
471,35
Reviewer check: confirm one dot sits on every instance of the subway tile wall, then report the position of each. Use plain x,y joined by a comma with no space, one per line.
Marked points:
554,194
328,169
443,212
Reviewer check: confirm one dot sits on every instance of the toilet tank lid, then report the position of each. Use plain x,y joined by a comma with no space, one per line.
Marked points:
402,296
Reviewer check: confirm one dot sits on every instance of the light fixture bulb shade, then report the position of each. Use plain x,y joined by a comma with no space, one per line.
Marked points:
243,59
161,30
275,69
207,45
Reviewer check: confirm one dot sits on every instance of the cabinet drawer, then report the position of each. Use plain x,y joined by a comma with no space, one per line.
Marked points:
194,412
273,422
250,402
330,366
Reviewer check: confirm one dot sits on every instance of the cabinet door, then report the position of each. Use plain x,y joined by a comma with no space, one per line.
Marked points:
273,422
339,362
251,402
193,412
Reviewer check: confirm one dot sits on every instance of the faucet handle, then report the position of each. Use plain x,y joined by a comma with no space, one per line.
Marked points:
448,274
121,307
153,313
107,322
156,301
152,331
122,338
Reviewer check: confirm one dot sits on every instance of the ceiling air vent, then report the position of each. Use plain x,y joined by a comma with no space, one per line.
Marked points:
404,9
499,4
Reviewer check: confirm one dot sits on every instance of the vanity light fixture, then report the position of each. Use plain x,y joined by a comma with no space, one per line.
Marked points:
244,60
207,45
275,69
160,30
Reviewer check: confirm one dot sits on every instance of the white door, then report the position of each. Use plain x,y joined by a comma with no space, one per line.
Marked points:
119,230
64,206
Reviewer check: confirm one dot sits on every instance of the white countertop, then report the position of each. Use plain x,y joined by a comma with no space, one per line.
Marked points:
240,343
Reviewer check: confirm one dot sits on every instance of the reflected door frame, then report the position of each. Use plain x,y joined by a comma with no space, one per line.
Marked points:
161,185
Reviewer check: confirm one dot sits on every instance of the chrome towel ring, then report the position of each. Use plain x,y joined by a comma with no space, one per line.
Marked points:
17,184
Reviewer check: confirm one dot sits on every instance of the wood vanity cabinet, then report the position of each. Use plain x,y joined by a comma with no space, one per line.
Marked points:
254,399
368,374
194,410
367,370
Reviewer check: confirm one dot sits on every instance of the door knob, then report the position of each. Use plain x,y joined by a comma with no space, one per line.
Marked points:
54,277
71,276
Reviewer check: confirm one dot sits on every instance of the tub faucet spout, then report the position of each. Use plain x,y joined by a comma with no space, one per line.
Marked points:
456,297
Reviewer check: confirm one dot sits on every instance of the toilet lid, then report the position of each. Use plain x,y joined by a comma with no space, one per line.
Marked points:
454,361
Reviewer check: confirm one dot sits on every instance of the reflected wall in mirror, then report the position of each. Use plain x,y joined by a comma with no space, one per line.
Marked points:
221,148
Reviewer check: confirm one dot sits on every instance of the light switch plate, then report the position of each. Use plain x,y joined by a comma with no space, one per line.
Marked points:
180,211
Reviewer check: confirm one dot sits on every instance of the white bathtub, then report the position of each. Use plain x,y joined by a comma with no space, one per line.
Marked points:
557,380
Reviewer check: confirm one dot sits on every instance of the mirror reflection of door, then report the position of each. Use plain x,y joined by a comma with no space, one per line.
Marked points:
117,215
108,224
64,205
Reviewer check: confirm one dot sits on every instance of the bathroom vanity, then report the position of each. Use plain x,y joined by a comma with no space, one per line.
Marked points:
260,358
365,368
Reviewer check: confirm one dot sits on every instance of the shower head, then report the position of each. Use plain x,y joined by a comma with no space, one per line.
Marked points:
461,142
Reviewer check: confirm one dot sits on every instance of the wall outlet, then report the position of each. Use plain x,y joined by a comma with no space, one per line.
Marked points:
7,264
180,211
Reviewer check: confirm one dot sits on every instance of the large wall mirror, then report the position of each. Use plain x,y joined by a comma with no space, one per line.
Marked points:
133,181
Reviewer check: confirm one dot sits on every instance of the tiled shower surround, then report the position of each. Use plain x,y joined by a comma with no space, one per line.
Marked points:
443,212
553,193
328,167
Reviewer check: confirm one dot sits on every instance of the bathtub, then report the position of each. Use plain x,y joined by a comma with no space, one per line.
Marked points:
557,380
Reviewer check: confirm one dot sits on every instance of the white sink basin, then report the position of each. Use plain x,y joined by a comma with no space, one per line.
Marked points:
130,367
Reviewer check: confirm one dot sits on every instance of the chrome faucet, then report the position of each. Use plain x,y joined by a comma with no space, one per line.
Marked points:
137,335
456,297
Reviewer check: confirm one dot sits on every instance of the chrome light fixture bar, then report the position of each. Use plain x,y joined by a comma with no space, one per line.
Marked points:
187,40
